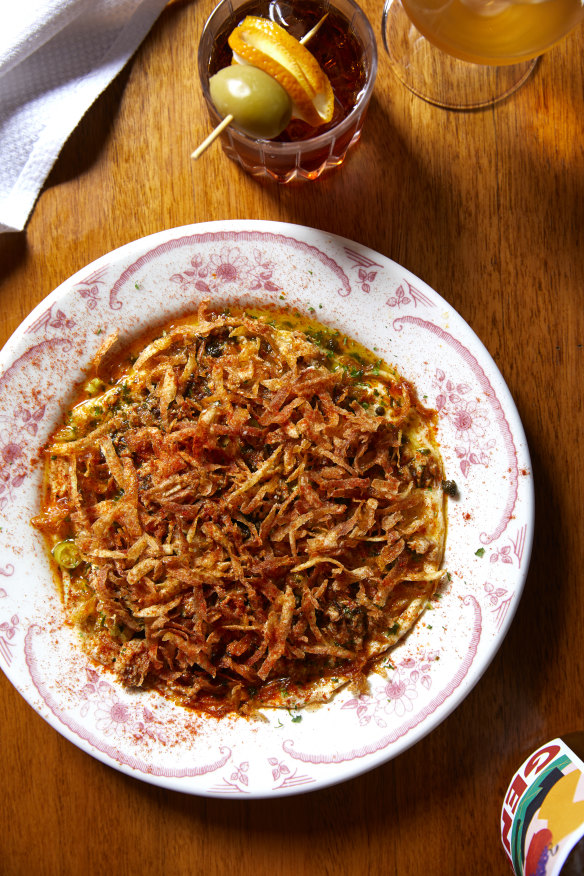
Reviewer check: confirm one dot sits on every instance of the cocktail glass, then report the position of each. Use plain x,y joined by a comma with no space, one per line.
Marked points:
466,54
298,160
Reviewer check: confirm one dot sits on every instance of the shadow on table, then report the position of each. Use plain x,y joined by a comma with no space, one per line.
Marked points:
13,250
87,141
81,150
349,200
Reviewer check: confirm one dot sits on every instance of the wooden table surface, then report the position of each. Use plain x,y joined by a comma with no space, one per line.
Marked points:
487,208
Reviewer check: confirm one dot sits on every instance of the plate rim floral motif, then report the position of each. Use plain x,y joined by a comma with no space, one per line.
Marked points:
349,274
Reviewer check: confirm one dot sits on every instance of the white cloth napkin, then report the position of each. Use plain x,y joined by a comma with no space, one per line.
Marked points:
56,57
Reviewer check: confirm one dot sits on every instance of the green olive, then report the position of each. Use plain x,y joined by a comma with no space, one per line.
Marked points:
259,105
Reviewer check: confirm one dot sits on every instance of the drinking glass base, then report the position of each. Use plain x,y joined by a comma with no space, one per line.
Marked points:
439,78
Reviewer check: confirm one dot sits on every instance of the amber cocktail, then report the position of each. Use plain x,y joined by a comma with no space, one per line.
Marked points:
466,54
345,48
494,31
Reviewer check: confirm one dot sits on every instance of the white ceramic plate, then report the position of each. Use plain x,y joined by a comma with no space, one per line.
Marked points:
490,528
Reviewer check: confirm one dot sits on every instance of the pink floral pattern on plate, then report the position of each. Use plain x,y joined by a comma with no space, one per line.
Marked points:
398,696
8,628
118,727
363,294
229,265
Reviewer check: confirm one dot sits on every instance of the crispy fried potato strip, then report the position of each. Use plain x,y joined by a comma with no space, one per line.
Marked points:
258,511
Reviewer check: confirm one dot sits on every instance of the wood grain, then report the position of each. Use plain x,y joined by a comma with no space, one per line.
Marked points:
488,208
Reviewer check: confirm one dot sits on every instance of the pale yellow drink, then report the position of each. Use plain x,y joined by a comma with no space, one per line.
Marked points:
494,31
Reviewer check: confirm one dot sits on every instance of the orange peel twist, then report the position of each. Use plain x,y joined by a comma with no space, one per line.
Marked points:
263,43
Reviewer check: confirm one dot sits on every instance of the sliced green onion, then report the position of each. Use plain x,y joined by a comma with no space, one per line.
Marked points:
67,554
